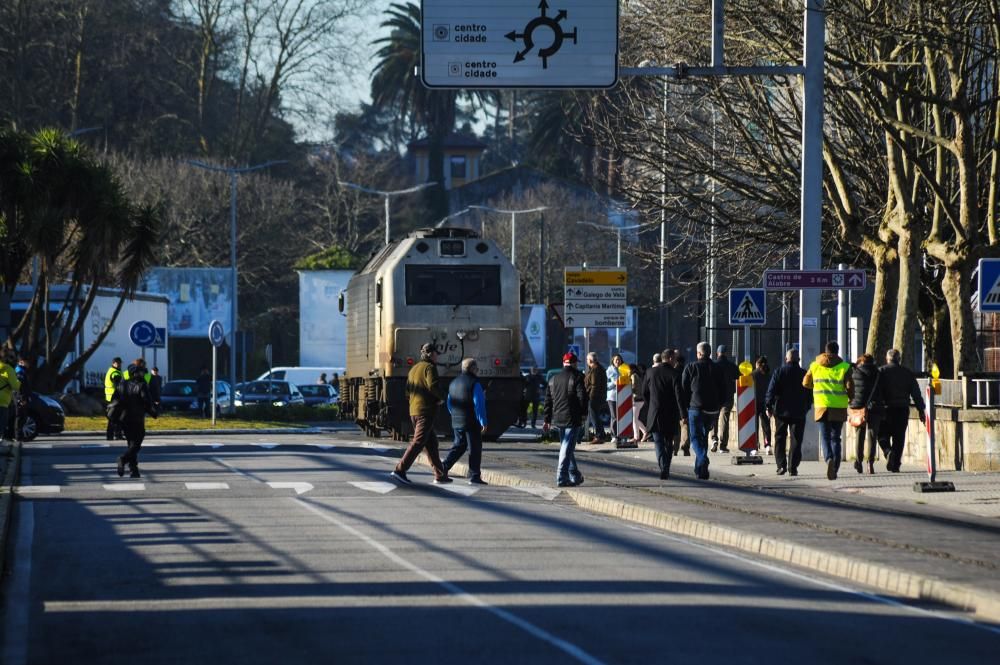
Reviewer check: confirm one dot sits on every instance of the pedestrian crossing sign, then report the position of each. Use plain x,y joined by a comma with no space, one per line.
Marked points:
747,307
989,285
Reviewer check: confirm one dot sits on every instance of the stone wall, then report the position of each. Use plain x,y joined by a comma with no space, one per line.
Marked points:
966,439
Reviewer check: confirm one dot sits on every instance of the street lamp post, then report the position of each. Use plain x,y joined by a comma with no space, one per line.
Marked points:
387,195
513,225
233,172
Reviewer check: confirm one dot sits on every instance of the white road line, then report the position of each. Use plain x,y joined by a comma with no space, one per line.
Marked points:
454,488
300,488
36,489
546,493
17,601
95,445
234,469
566,647
806,578
207,486
376,486
125,487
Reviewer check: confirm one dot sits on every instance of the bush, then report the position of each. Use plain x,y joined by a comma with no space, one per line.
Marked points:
286,414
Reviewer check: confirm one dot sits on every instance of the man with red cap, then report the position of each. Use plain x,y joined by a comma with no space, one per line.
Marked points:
565,405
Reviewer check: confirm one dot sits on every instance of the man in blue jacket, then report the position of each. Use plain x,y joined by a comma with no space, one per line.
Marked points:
788,401
467,406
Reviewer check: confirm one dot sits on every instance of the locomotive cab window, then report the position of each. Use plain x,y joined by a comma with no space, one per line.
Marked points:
453,285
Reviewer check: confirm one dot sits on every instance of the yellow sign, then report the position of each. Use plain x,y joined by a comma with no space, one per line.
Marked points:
600,277
746,368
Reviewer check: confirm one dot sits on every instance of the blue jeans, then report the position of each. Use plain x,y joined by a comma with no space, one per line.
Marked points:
594,417
470,438
830,437
699,424
567,470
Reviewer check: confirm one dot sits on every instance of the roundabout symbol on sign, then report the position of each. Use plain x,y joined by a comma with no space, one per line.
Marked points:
552,24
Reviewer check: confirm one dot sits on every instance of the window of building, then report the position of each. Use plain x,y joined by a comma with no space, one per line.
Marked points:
458,166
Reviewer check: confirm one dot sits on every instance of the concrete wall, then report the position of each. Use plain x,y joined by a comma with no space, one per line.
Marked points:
966,439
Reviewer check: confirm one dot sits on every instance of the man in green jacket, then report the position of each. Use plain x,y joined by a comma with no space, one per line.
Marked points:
8,386
423,387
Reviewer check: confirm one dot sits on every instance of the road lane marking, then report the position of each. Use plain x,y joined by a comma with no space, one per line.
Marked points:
36,489
125,487
376,486
464,490
17,600
207,486
546,493
566,647
300,488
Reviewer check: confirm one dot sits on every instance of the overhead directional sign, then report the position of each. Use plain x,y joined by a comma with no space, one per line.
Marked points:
519,43
989,285
142,333
824,280
596,298
747,307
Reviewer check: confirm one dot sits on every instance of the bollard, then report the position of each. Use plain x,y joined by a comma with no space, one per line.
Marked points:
623,404
932,484
746,417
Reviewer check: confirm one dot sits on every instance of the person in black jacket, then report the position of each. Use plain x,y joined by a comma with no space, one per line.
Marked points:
203,388
130,405
867,396
761,379
662,393
534,392
703,387
565,404
788,402
899,386
730,373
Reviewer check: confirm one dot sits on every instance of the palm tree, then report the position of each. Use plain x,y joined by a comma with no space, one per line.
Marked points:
61,207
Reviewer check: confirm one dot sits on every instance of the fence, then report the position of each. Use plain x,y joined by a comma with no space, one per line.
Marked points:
971,391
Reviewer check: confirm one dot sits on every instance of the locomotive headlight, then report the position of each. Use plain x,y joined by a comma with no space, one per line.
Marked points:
460,335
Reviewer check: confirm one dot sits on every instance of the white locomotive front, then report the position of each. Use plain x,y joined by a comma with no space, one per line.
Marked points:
446,286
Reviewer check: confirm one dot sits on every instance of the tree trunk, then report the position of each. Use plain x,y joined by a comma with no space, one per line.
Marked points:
955,286
886,286
909,291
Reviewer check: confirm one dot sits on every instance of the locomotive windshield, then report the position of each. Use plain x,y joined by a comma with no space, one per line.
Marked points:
452,285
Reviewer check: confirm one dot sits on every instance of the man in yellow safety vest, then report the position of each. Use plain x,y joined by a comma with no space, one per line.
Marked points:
111,379
829,378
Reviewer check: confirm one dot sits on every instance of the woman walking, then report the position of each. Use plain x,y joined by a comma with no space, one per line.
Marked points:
761,380
864,413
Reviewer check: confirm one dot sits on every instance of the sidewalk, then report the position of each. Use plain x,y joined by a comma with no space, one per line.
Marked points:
870,530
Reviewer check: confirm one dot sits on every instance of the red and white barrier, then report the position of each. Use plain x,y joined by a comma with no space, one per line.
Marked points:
746,415
623,403
929,424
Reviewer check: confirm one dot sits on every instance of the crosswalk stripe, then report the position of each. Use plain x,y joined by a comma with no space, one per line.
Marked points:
207,486
300,488
125,487
37,489
464,490
376,486
546,493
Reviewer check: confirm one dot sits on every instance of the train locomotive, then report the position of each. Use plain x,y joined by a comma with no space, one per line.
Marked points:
447,286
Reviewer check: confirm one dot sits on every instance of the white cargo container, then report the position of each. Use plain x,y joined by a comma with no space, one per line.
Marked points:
322,328
150,307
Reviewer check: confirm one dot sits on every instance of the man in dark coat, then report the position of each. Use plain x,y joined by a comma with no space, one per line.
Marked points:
662,392
132,404
203,388
730,373
595,388
703,386
899,386
788,401
534,393
565,404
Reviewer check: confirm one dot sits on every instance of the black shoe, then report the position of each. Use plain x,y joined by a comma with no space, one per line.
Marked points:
121,466
782,470
443,480
724,450
715,447
703,475
564,483
831,470
476,480
687,452
858,467
665,475
793,472
134,473
401,477
578,481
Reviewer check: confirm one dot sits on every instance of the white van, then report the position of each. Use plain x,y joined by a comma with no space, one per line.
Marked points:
301,376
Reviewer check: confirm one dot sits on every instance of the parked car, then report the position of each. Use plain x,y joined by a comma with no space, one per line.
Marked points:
45,416
278,393
301,376
319,395
182,395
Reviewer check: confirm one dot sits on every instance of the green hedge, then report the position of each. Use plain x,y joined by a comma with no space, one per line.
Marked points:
286,414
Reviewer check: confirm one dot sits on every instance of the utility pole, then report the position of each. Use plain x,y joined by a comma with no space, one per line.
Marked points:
387,195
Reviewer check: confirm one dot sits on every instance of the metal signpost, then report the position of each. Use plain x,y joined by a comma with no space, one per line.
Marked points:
216,335
519,44
142,334
595,298
747,307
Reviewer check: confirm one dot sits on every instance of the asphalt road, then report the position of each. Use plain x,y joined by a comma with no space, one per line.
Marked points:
243,550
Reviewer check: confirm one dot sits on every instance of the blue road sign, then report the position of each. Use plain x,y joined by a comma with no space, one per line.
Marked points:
161,339
989,285
747,307
574,349
216,335
142,333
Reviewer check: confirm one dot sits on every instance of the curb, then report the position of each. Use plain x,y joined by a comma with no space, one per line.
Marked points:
984,605
11,474
213,432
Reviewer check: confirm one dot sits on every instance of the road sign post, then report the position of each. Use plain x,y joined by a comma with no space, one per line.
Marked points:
216,335
519,44
595,298
747,307
142,334
932,484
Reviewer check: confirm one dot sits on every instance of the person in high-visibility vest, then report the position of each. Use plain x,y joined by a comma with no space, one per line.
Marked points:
829,378
111,379
9,384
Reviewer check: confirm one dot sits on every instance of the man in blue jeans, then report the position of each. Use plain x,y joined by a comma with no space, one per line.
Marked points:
467,406
829,378
702,390
565,404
